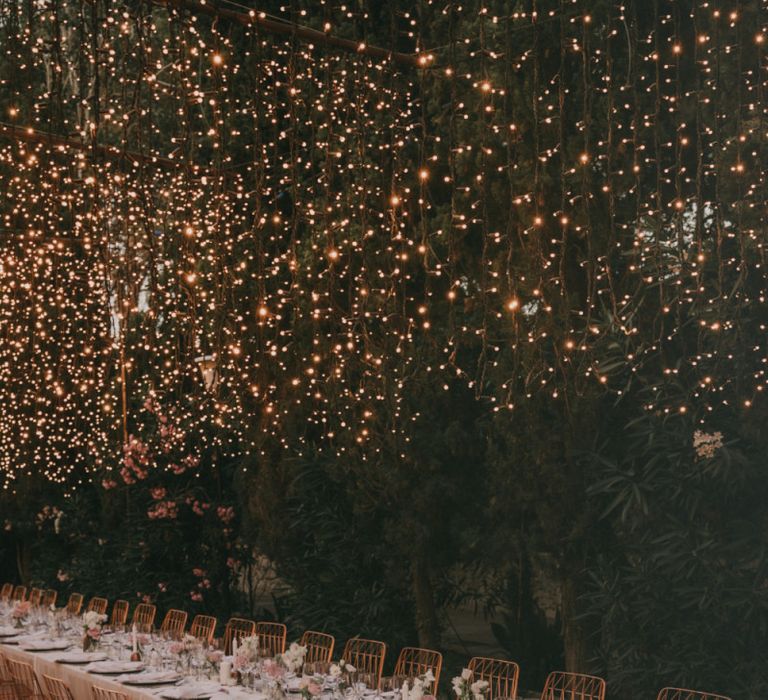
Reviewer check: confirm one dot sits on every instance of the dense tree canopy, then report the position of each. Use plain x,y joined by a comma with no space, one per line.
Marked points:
472,317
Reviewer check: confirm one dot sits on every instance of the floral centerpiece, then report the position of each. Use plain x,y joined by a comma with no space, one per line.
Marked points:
247,652
466,689
340,672
214,658
183,648
417,690
273,670
20,612
92,622
293,659
309,689
341,669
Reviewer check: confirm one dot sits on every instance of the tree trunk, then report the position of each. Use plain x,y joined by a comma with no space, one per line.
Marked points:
22,560
574,640
426,615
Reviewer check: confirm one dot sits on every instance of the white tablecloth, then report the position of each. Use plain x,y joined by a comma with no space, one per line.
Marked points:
80,681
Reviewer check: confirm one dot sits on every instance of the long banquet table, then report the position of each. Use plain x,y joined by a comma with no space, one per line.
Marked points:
81,682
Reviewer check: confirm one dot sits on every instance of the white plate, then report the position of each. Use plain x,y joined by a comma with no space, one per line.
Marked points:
46,645
150,678
192,691
21,639
8,631
115,668
80,657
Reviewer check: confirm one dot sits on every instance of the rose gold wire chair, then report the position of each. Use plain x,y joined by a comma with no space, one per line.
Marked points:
685,694
19,593
119,613
319,646
502,676
35,595
56,689
203,627
271,637
366,655
9,691
97,605
106,694
237,628
573,686
6,592
75,603
413,662
5,674
174,623
23,675
144,617
49,598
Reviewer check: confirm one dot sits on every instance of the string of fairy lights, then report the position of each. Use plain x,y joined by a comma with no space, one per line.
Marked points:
277,237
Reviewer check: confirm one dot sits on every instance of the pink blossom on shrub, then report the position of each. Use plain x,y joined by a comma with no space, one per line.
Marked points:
226,513
163,510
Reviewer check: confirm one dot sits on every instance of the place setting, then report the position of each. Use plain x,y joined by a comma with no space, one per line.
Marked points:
40,645
150,678
194,690
80,658
114,668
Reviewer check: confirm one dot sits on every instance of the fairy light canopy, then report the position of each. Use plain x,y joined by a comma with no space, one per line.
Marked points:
330,204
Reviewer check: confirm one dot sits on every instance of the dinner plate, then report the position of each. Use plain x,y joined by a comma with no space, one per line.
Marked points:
21,639
115,668
150,678
193,691
8,631
45,645
80,657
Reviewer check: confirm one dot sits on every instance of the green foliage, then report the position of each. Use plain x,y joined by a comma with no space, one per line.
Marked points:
678,587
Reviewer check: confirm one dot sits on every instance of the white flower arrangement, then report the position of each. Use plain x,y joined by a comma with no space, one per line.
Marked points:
417,691
92,621
293,659
247,649
465,689
339,669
